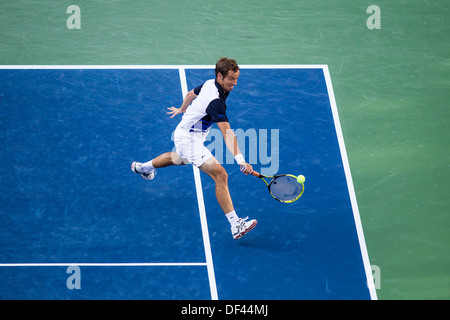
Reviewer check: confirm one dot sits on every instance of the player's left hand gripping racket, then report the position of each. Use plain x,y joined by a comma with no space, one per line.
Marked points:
283,187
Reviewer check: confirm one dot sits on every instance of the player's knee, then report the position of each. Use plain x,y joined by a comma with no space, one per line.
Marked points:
221,175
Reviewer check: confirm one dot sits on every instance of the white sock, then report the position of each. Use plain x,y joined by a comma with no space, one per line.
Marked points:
147,167
232,218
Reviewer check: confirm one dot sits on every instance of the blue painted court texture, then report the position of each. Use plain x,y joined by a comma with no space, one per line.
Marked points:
68,197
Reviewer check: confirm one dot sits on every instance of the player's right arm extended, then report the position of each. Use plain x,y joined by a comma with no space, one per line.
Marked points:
232,145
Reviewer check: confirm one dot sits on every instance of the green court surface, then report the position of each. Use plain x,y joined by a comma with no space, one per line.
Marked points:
391,86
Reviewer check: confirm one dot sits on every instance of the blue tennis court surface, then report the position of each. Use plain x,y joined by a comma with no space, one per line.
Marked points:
68,137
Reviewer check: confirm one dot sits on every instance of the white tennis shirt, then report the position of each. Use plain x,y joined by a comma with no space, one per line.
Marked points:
207,108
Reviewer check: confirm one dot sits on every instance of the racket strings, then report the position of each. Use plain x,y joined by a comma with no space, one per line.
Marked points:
285,188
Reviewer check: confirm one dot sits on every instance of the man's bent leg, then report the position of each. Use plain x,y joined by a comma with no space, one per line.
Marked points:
214,169
239,227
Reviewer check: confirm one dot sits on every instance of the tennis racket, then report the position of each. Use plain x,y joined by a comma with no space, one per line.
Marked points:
283,187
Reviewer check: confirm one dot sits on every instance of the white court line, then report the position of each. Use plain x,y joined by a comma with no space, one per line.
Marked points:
151,67
202,211
351,189
107,264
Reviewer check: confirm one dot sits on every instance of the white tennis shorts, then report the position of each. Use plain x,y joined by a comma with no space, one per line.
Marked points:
190,146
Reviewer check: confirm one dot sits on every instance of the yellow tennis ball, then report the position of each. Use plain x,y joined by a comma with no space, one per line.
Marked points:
301,178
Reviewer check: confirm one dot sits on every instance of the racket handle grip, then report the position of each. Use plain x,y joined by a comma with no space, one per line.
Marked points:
256,174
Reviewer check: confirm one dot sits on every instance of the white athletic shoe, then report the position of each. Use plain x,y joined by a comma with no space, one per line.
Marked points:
136,167
242,227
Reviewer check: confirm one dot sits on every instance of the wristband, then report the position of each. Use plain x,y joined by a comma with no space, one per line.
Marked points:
239,158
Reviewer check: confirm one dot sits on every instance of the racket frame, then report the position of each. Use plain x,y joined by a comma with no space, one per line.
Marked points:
268,184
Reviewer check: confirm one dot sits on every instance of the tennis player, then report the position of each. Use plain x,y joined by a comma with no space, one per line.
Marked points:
202,107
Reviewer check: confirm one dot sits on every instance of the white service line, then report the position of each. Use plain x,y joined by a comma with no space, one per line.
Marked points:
202,211
106,264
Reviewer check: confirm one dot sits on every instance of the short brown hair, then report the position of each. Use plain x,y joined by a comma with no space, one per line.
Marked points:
224,65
